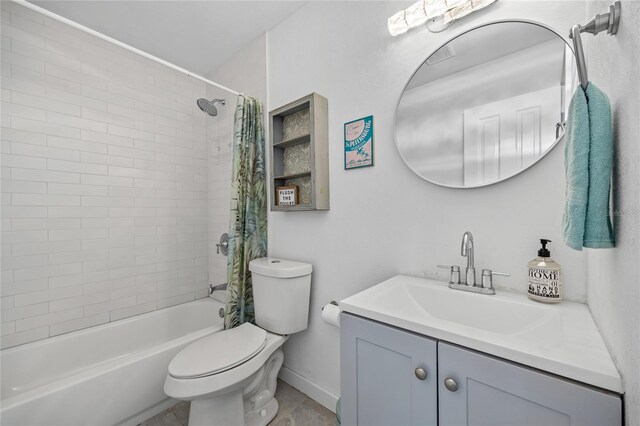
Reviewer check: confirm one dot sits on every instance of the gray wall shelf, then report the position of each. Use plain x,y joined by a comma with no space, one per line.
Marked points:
313,183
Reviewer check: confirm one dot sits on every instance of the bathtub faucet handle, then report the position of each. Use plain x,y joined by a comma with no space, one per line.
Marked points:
223,244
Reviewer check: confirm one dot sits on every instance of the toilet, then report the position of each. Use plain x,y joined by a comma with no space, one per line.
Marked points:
230,376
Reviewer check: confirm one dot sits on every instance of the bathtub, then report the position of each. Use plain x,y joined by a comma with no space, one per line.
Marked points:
104,375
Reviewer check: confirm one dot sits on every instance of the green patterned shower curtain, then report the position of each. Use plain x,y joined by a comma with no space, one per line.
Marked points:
248,224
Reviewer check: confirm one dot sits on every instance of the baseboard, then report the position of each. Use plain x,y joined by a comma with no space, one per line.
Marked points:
307,387
150,412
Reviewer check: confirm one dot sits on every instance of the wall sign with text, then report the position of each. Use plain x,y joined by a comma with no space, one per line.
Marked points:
358,143
287,195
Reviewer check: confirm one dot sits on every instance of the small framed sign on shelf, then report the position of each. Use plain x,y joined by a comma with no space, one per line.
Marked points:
287,195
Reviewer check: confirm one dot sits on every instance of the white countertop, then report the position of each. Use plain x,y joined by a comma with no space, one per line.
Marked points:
561,339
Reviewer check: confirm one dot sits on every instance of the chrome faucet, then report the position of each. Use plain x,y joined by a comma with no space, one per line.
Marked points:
467,250
213,288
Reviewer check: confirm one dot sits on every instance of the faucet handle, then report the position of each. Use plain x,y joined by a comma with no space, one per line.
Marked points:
487,277
455,273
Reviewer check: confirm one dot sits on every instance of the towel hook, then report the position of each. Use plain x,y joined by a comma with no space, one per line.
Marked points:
602,21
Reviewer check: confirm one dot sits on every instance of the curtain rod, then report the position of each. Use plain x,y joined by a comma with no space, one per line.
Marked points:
118,43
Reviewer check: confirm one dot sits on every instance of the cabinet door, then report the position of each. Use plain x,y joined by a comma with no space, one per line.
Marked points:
379,377
497,392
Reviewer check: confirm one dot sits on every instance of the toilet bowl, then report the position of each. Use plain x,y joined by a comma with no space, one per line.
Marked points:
230,376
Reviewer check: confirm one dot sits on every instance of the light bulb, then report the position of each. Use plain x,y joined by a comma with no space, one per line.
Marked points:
434,8
446,11
397,24
415,14
460,8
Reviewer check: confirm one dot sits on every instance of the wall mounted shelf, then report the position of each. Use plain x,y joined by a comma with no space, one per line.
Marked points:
293,176
299,152
293,141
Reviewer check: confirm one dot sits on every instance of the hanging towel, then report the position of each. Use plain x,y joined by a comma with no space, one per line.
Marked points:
576,167
598,231
588,157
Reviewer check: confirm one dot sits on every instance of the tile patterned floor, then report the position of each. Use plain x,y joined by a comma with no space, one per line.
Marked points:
295,409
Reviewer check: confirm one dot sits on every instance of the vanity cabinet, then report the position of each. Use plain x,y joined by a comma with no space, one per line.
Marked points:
379,385
491,391
389,376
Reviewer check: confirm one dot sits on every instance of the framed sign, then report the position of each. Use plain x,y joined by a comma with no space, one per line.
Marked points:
287,195
358,143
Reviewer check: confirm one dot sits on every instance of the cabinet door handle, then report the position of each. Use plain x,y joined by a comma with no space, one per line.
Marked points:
450,384
421,374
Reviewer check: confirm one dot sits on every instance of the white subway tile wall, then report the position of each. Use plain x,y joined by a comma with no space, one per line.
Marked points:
114,184
218,132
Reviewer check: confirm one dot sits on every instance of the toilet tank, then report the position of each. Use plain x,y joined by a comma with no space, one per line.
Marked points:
281,290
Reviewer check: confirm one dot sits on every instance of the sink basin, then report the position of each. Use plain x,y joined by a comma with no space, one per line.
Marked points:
560,338
494,314
433,302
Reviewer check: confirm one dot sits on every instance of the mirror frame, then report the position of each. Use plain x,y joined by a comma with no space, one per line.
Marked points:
395,116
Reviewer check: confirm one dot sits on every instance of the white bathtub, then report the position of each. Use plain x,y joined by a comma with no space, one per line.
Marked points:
105,375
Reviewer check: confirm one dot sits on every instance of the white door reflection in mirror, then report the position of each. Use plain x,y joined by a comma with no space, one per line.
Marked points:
506,136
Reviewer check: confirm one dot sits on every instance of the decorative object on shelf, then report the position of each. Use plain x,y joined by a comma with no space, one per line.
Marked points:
287,195
358,143
437,14
300,154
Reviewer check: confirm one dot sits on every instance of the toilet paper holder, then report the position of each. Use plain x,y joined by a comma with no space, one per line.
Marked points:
333,302
331,315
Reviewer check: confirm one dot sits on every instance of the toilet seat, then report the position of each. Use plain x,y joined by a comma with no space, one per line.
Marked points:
218,352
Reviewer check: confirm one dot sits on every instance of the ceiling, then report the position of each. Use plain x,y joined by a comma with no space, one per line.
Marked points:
196,35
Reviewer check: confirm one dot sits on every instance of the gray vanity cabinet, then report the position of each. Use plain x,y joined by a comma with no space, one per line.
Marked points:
380,385
491,391
382,376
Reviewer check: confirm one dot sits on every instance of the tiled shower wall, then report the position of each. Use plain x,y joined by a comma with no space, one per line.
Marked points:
105,181
219,131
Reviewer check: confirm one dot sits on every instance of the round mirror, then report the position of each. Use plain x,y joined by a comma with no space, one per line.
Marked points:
487,105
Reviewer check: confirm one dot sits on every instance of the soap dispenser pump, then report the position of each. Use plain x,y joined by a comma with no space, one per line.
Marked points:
545,276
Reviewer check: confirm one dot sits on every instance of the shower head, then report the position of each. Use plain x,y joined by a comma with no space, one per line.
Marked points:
210,106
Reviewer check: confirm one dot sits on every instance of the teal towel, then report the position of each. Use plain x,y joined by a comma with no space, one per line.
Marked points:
576,168
598,231
588,161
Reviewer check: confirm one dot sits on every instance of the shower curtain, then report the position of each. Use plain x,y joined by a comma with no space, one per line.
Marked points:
248,223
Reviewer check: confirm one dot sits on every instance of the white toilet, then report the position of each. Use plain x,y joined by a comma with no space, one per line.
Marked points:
230,376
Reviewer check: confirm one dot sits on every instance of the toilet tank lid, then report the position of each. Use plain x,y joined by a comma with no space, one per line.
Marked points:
279,268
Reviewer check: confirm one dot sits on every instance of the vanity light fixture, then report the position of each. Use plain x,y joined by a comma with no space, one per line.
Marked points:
440,12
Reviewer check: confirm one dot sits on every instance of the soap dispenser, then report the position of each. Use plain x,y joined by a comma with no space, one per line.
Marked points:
545,276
